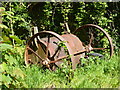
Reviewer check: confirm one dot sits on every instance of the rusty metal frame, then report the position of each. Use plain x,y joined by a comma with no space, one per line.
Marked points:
72,54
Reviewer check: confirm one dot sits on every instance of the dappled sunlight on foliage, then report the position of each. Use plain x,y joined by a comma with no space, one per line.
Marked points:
18,21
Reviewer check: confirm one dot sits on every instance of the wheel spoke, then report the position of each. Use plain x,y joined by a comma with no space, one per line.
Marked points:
98,41
34,53
48,42
41,50
100,48
55,61
91,39
56,52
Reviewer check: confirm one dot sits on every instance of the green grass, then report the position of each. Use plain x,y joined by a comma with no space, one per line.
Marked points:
101,75
96,73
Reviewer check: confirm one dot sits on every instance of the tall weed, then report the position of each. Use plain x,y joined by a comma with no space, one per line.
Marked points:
92,73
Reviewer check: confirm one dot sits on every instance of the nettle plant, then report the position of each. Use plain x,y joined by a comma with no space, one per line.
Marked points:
12,59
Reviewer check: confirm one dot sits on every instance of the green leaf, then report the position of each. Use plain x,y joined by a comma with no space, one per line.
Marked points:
3,26
9,18
3,67
9,12
2,9
19,73
6,79
4,47
19,41
20,50
11,59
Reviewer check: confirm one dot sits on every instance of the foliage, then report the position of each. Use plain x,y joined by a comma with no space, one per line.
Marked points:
53,15
19,17
12,58
91,73
15,22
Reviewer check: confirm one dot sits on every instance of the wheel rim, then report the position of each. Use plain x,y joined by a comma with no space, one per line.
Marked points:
82,28
46,53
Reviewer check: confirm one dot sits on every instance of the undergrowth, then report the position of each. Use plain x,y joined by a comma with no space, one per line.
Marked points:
92,73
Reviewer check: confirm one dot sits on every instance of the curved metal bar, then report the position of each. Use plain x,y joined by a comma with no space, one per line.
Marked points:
35,53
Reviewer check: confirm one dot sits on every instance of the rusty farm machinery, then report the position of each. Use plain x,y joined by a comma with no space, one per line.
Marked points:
48,48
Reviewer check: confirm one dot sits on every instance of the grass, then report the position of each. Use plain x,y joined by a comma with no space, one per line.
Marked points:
101,75
93,73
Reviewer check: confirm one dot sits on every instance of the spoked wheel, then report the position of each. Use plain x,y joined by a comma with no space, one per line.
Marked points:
96,39
44,49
